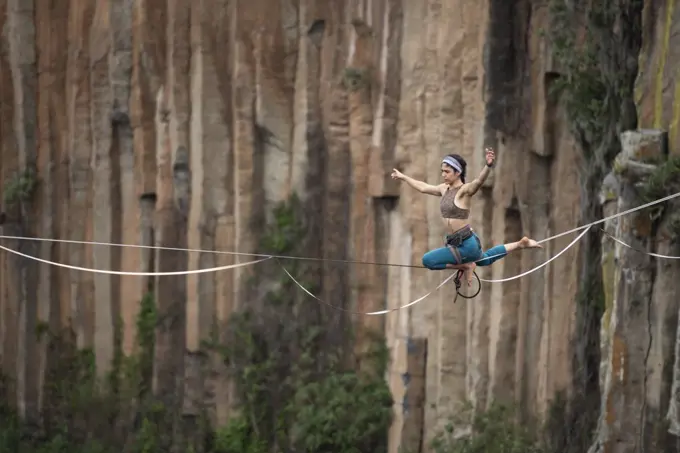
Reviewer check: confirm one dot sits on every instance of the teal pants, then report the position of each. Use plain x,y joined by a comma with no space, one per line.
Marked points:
470,250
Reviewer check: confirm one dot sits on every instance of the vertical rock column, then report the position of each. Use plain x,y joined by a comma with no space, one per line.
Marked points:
79,146
474,14
552,135
330,33
413,403
309,149
504,310
384,191
660,432
106,186
120,75
627,410
445,134
8,166
387,93
51,197
149,56
21,35
211,218
609,198
661,380
359,77
246,191
274,52
412,242
173,177
673,413
531,166
336,203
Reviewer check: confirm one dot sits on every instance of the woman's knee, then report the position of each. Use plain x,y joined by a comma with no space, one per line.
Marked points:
431,262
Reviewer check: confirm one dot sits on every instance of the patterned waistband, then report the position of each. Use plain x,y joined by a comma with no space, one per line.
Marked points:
459,236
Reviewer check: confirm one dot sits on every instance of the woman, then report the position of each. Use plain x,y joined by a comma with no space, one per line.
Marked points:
463,249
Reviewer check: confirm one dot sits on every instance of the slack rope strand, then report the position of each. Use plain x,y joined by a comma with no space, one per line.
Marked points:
656,255
265,257
148,274
371,313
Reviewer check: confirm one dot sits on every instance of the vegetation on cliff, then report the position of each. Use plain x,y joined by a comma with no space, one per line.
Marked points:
596,45
662,182
296,391
19,188
495,430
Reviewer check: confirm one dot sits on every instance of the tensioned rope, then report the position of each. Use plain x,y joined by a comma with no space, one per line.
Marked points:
216,252
269,256
291,257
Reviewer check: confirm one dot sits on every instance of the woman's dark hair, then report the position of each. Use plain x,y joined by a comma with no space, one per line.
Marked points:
462,163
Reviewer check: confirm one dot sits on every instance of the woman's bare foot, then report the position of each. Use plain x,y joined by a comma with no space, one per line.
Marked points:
469,272
526,243
469,268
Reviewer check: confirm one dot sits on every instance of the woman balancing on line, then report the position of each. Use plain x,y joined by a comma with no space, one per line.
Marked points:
463,249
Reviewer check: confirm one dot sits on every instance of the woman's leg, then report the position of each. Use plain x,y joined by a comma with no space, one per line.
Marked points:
444,258
439,259
499,251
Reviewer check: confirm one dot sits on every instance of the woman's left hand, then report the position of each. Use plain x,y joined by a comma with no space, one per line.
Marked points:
490,157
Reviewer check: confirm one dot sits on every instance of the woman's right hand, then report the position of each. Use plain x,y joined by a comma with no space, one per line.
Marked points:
396,174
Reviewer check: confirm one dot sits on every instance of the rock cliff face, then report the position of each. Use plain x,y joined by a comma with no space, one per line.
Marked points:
182,124
640,377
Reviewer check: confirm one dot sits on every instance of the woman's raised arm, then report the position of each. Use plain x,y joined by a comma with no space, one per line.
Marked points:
420,186
473,186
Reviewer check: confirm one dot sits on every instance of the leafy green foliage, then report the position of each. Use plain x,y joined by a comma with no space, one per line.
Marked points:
296,392
355,78
286,232
491,431
674,227
20,187
664,181
238,436
355,418
83,414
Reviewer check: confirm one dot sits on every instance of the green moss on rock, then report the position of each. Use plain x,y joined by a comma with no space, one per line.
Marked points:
664,181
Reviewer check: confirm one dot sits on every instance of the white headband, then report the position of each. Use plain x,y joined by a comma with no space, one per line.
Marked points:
453,163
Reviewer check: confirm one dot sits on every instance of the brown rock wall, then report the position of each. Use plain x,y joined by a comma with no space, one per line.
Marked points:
182,124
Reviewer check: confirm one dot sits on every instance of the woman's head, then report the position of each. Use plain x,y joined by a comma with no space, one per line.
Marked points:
453,167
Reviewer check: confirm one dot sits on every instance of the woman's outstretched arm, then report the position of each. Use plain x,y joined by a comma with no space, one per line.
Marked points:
420,186
473,186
